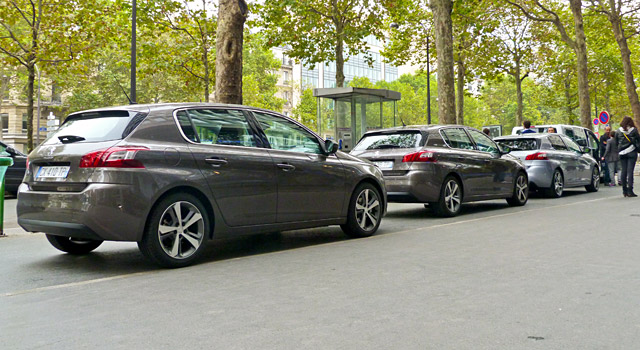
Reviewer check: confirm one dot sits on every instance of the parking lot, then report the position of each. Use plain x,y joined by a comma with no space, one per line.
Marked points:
555,274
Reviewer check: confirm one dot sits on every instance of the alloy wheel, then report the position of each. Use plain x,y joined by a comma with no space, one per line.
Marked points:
367,209
521,188
596,179
181,230
452,196
558,184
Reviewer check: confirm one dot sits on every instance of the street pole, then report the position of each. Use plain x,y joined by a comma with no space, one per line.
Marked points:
428,84
38,121
133,53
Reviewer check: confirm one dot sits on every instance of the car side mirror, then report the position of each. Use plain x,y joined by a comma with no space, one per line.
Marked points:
330,147
11,151
504,149
586,150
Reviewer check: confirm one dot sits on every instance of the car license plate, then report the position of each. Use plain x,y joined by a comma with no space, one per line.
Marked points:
384,165
52,172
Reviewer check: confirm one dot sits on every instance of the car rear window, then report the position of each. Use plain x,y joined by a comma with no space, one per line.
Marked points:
98,126
405,139
520,144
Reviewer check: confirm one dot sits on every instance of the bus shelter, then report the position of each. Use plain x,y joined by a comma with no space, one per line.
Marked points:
345,114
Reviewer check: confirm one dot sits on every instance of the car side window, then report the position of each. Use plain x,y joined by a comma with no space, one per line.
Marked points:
457,138
580,137
216,127
483,142
287,136
594,144
572,146
556,143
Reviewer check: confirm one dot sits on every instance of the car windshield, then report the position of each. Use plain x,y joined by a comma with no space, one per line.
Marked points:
520,144
406,139
96,127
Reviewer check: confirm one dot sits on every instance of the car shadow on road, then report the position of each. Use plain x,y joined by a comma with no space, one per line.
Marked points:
127,259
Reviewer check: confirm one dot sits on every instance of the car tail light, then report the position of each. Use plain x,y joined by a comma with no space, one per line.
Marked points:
114,157
537,156
422,156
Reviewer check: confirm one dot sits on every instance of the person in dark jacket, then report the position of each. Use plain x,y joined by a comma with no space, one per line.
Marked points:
627,138
527,127
603,145
610,156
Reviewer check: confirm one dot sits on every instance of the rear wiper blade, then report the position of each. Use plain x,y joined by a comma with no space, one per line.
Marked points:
385,145
70,138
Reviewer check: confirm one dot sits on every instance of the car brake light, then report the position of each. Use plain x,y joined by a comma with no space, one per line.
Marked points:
537,156
422,156
114,157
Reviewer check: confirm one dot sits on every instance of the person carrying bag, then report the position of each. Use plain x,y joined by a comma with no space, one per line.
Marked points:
628,141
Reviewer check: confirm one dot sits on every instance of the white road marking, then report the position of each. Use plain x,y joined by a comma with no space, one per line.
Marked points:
105,279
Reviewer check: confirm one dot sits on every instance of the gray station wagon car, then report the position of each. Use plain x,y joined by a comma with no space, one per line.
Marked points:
554,162
171,176
444,166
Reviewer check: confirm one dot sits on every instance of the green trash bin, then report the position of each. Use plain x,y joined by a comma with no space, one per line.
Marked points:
5,162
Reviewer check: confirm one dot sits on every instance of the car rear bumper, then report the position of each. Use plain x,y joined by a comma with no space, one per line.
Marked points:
100,211
540,173
416,186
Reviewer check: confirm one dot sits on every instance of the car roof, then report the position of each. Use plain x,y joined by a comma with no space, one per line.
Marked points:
152,107
426,127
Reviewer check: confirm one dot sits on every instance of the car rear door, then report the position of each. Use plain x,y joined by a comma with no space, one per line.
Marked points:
580,165
469,163
241,175
311,185
496,170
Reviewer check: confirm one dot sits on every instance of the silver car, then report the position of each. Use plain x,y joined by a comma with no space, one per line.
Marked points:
554,162
172,176
444,166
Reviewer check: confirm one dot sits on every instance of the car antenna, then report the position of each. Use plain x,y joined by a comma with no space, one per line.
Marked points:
123,90
403,124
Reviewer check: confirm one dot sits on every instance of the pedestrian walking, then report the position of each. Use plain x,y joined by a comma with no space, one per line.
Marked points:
611,157
628,141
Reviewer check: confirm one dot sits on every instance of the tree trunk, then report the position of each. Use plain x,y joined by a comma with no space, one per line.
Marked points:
518,94
567,97
229,39
339,59
444,46
625,53
583,71
32,77
460,88
207,81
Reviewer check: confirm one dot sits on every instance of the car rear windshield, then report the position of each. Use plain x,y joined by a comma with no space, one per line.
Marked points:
520,144
405,139
98,126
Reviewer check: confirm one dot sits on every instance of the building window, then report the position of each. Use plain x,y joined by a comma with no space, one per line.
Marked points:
390,72
285,77
310,77
5,122
24,122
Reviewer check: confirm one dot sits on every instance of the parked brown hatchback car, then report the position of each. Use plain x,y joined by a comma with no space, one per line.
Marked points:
171,176
444,166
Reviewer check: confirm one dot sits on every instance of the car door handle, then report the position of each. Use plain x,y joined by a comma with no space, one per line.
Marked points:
216,162
286,167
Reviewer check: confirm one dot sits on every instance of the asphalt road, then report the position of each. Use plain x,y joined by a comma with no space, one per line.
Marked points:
555,274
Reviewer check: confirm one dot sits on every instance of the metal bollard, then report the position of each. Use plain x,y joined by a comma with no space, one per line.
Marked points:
5,162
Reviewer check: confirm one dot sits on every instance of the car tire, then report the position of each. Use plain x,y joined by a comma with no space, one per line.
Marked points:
75,246
365,212
595,181
176,231
451,194
520,194
557,185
